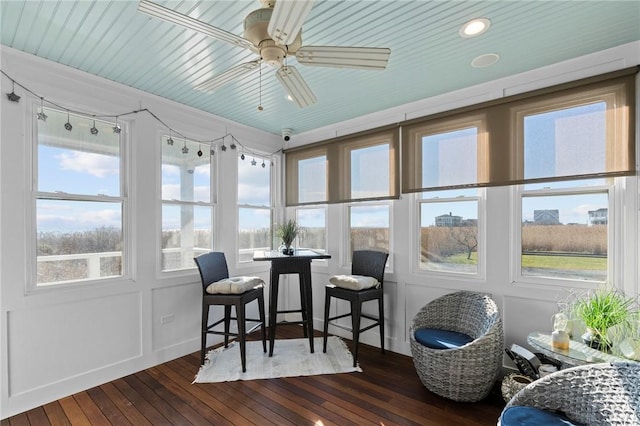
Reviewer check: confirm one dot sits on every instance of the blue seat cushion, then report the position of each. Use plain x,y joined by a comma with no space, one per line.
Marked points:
530,416
441,339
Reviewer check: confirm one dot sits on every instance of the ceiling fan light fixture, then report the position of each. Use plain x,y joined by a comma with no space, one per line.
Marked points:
271,53
474,27
287,19
295,86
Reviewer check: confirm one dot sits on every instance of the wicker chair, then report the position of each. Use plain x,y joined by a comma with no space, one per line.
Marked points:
593,394
466,373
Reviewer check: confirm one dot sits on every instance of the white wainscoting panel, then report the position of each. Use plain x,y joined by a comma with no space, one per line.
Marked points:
176,315
54,343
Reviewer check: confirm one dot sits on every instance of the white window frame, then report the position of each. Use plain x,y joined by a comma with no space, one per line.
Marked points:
273,164
213,180
613,228
419,199
32,286
316,207
346,242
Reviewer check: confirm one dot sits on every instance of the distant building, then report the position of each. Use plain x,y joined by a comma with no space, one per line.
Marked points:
448,220
546,217
599,217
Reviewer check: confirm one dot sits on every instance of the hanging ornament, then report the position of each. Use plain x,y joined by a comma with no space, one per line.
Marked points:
117,128
212,152
94,129
199,151
68,125
263,165
169,141
254,162
242,156
185,150
41,115
233,143
12,96
223,147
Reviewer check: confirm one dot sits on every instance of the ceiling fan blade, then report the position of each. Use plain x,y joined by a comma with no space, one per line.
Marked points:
287,19
169,15
227,76
295,86
370,58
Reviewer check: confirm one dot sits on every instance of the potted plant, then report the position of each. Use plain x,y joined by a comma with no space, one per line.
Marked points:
603,309
287,232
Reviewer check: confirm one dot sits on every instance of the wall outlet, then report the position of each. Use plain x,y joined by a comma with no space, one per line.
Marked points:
166,319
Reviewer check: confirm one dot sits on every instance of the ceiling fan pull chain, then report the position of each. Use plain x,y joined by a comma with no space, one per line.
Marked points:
260,89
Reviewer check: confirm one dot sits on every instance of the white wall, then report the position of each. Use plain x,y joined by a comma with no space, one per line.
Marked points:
59,342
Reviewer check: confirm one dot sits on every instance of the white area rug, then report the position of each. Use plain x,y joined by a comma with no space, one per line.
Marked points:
291,357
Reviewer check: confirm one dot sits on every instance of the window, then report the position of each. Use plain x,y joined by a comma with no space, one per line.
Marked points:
445,153
565,224
565,231
578,130
314,223
312,179
255,206
187,203
369,176
449,238
360,167
369,227
80,200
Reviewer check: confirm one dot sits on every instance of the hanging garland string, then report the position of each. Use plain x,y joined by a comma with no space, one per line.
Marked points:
13,97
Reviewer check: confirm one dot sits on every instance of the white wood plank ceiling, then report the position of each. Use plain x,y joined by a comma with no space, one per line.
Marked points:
112,39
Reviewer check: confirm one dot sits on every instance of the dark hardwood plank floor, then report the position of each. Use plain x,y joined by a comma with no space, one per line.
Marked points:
387,392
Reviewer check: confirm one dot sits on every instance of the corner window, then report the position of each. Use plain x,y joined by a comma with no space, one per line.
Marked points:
80,199
255,211
187,203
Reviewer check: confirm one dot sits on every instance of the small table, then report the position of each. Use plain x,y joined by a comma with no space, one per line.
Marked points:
577,354
298,263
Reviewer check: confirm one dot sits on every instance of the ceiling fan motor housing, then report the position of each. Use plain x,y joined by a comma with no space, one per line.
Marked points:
255,30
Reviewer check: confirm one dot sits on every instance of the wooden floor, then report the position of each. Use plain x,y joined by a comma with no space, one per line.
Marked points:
387,392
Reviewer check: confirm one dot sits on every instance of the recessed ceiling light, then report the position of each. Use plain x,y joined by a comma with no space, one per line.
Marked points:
475,27
485,60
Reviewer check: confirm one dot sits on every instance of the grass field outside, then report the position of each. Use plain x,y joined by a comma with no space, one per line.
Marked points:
545,262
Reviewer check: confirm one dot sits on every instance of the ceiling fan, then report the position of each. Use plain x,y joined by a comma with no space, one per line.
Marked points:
274,32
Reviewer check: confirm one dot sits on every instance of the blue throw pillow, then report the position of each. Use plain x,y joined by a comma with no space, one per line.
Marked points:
441,339
531,416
